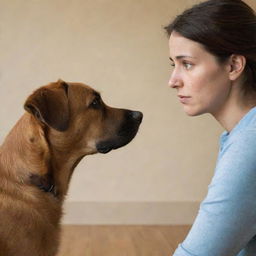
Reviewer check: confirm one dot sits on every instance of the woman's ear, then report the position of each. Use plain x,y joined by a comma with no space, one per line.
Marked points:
237,64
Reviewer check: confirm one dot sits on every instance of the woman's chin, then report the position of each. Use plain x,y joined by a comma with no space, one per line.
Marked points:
192,111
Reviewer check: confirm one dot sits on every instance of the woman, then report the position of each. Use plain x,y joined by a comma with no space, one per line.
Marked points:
213,51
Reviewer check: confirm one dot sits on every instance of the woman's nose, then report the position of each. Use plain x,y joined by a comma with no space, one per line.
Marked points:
174,82
175,79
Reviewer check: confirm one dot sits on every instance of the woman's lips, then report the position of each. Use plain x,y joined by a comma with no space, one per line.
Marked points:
184,99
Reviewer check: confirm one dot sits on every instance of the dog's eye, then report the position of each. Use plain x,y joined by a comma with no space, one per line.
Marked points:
96,103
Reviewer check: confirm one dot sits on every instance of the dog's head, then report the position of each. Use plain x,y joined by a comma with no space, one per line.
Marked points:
75,118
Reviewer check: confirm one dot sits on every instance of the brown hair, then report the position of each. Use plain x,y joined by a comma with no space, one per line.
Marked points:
223,27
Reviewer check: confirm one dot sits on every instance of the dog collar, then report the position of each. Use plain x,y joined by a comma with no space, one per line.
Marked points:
43,183
48,189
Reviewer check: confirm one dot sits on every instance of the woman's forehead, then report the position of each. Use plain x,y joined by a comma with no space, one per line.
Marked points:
183,47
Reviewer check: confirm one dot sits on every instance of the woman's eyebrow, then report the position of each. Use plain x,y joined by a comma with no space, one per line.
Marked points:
182,57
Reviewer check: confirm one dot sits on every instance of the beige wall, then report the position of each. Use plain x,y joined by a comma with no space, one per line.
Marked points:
119,48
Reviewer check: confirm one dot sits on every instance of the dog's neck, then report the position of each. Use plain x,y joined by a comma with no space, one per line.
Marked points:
41,161
24,150
62,169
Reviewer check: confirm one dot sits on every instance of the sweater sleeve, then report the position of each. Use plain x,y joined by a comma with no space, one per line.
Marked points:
226,221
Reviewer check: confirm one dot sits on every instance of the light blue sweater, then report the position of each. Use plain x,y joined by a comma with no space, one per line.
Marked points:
226,221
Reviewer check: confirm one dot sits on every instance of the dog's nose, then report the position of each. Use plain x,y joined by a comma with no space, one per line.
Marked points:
137,115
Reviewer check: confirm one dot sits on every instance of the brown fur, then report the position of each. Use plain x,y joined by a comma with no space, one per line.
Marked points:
63,123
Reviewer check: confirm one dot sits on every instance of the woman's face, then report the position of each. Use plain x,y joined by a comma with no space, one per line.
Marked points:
202,84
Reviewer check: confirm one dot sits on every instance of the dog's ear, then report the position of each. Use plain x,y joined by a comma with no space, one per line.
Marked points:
50,105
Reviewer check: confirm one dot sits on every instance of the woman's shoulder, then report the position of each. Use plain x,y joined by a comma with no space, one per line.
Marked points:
246,127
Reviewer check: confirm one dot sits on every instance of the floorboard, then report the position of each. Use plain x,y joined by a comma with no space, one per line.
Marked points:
117,240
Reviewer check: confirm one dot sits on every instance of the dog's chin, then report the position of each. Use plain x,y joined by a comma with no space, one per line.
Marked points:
104,150
106,146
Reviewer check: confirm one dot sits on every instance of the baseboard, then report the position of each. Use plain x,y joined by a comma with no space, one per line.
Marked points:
130,213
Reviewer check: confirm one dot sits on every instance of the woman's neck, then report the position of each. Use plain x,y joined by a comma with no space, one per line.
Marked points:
234,110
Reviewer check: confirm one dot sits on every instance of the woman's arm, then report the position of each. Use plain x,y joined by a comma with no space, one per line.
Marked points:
226,221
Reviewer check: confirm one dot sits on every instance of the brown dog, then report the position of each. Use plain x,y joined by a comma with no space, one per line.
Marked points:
64,122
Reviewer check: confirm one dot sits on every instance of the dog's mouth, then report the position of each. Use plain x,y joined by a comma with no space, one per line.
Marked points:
104,149
108,145
124,135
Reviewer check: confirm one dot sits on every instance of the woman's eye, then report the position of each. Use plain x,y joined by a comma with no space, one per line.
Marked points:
187,65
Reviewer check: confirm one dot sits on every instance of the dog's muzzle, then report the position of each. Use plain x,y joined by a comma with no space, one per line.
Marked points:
126,132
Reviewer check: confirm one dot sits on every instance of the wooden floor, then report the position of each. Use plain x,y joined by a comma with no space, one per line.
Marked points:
121,240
